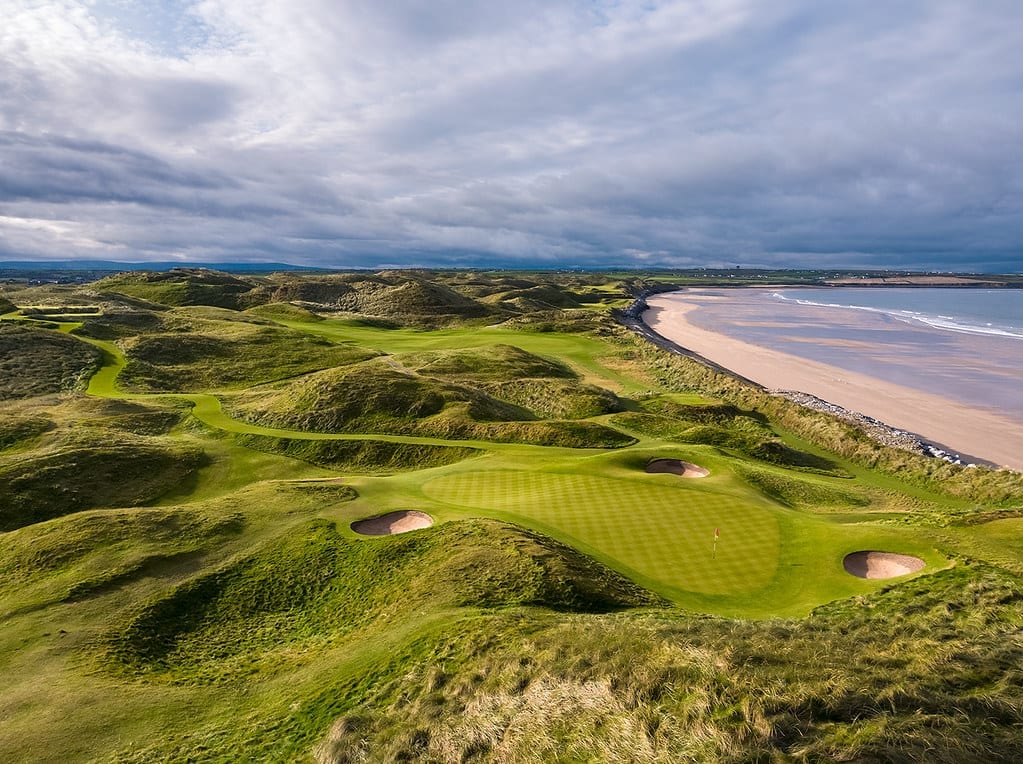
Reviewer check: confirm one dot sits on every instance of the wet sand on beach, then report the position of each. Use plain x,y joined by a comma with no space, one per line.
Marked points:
959,427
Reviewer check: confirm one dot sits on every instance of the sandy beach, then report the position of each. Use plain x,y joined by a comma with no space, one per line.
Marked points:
968,430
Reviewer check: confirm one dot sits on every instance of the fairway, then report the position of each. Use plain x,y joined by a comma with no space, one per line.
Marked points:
657,532
657,529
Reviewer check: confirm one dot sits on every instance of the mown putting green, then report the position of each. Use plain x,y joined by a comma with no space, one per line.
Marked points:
658,532
768,561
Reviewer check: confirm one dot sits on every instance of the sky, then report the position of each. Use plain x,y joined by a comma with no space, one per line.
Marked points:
535,133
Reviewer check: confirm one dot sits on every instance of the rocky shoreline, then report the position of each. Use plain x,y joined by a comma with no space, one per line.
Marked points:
876,429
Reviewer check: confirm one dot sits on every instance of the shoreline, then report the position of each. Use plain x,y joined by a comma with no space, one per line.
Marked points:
898,415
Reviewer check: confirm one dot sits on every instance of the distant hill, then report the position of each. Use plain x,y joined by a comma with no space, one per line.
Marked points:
159,265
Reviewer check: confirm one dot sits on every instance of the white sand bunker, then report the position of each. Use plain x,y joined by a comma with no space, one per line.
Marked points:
403,521
676,467
881,564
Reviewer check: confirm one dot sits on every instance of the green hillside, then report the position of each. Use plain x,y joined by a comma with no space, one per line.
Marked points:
194,351
618,554
180,287
35,361
381,396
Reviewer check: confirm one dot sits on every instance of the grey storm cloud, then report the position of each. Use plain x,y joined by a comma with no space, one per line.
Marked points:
563,132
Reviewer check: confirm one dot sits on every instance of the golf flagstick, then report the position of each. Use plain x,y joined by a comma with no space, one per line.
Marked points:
717,533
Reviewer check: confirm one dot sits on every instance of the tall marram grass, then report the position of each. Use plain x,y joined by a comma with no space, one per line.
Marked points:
979,484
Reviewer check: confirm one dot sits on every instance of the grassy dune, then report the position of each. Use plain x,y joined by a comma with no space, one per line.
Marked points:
90,471
36,361
205,350
179,580
385,396
363,456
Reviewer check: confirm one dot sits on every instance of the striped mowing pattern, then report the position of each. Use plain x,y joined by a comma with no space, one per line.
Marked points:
663,532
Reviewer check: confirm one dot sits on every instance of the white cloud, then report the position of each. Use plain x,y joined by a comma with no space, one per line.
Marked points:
592,131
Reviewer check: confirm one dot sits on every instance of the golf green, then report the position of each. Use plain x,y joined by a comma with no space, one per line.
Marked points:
659,532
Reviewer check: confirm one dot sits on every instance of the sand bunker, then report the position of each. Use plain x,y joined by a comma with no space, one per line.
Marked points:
676,467
402,521
881,564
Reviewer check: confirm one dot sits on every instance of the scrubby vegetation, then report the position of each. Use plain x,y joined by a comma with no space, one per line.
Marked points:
383,397
179,580
801,492
181,286
88,470
15,429
907,675
201,352
36,361
73,556
725,425
362,456
303,593
284,311
841,438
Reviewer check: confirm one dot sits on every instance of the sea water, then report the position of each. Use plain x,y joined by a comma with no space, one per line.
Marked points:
961,343
996,312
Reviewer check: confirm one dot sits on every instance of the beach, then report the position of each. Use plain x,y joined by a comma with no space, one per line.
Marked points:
975,431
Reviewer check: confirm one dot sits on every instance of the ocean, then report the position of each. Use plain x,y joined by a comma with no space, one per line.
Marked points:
997,312
963,344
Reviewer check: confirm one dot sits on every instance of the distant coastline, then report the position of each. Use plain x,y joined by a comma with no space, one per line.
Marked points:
895,414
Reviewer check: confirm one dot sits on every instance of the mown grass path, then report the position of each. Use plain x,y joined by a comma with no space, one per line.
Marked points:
658,529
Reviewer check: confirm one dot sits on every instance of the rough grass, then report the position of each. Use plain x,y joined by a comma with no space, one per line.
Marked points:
910,674
284,311
978,484
541,297
180,287
545,387
800,492
726,426
123,416
362,456
493,363
19,430
118,324
376,397
226,354
37,361
303,592
91,470
555,399
416,302
81,554
403,297
478,641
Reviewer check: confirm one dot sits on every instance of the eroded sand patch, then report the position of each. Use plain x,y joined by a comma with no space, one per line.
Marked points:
402,521
881,564
677,467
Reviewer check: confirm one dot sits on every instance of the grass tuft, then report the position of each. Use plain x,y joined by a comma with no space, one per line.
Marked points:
362,456
303,592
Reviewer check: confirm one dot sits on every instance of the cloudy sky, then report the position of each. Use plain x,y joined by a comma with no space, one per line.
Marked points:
534,132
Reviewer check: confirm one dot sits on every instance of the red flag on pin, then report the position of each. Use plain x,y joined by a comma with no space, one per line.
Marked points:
716,533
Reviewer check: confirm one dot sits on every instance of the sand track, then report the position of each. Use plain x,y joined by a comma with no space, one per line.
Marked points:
402,521
881,564
676,467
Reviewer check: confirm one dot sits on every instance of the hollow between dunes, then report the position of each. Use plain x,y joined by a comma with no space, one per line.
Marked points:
676,467
401,521
881,564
